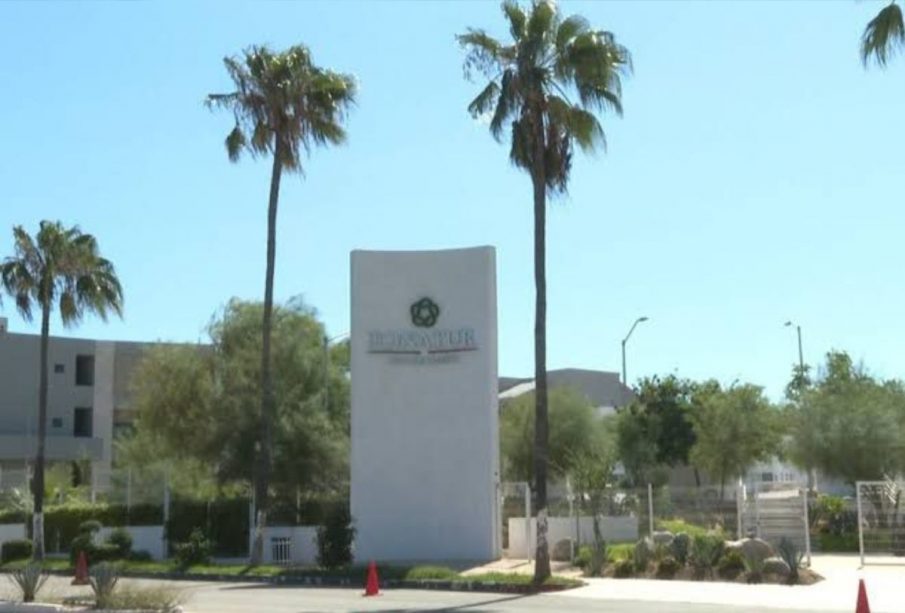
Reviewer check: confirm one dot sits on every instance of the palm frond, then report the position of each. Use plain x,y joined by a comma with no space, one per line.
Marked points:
484,101
577,123
883,36
485,53
235,142
517,19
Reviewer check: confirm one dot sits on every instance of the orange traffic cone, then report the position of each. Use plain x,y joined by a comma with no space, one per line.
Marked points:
372,587
863,606
81,570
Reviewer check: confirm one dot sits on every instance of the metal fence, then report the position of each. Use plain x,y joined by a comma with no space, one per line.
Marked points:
881,521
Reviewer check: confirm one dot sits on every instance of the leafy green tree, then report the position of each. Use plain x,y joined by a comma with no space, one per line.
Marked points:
57,268
655,430
591,471
195,403
283,105
545,87
574,432
849,425
734,428
883,36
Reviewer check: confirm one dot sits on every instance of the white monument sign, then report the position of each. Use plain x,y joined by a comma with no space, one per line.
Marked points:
425,433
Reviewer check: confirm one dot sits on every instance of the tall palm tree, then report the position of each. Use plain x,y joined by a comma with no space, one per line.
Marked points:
60,267
883,36
283,105
545,87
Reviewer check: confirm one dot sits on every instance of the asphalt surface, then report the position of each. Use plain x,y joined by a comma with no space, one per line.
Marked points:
247,598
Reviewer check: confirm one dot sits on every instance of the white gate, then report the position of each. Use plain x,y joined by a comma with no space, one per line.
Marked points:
777,510
881,520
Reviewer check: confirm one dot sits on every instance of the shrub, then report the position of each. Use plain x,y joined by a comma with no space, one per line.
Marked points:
225,524
680,525
82,542
161,598
140,556
103,578
667,568
790,554
122,540
620,551
598,560
583,557
29,579
16,550
334,539
420,573
754,567
643,554
104,553
731,565
706,552
679,547
91,526
197,550
624,569
833,543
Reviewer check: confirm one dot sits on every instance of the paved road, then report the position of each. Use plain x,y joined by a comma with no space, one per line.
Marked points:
256,598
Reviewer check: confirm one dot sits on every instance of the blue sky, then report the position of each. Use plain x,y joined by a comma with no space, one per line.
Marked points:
756,175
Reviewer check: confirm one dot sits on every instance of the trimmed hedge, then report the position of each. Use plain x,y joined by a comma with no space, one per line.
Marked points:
16,550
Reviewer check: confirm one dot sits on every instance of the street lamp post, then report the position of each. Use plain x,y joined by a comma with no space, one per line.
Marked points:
327,341
624,341
800,354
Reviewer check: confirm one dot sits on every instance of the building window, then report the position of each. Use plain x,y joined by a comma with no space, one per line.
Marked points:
57,422
81,423
59,368
766,477
84,370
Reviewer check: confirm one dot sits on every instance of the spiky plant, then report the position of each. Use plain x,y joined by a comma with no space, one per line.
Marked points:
29,579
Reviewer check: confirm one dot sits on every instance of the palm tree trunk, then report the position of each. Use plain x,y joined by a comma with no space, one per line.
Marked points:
538,176
38,483
265,450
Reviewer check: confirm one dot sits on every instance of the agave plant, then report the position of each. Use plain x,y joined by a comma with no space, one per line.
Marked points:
29,579
103,580
792,556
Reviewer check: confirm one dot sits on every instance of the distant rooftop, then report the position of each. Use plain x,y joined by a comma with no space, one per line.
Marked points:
603,389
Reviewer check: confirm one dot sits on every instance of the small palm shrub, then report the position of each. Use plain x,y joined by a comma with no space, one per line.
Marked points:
790,554
754,567
679,547
643,554
624,569
706,551
103,578
667,568
29,579
731,565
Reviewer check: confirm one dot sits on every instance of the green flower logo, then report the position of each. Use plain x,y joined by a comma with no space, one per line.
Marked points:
425,313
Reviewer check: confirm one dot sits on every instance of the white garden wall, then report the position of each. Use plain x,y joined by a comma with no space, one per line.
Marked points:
11,532
303,543
614,529
144,538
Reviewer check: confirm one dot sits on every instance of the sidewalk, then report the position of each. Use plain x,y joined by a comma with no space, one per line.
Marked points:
838,591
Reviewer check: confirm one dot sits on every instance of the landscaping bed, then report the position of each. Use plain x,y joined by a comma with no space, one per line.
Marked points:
409,577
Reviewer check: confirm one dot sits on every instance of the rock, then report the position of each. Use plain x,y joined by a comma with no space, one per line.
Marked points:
755,549
776,566
663,538
562,551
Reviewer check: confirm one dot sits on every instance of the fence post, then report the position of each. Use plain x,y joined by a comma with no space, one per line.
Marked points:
807,525
860,522
650,509
166,514
757,510
528,521
739,507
